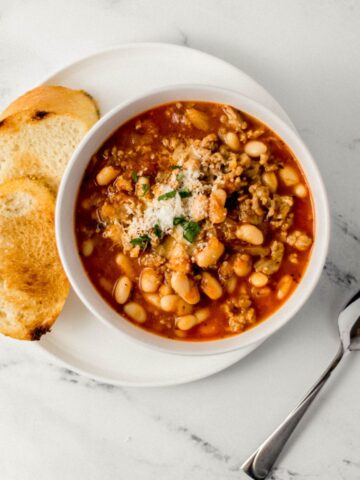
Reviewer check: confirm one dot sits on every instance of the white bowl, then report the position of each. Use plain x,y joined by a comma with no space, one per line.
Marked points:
65,232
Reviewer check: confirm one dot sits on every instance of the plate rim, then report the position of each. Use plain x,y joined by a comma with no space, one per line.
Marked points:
209,57
179,381
169,46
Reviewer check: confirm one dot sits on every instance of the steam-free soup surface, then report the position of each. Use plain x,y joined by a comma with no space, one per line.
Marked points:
194,221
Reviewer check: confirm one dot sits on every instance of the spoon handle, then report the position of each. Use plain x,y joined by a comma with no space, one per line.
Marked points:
259,464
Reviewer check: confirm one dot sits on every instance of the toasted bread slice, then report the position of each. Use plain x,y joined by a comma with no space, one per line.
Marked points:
56,99
33,285
38,144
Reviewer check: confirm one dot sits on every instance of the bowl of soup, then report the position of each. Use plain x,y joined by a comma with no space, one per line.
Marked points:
193,220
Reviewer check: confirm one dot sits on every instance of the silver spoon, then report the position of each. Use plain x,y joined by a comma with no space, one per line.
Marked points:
259,465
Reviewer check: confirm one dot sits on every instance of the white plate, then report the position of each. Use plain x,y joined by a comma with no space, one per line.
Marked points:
78,339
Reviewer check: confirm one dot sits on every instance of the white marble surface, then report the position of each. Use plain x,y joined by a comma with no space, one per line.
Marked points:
58,425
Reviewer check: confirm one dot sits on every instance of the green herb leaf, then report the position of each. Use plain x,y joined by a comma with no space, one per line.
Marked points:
185,193
134,176
142,241
179,221
191,230
174,167
157,230
145,188
179,177
167,195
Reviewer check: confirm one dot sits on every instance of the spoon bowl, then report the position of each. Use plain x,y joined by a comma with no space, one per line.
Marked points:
349,324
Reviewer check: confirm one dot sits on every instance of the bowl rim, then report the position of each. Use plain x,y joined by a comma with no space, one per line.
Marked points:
100,132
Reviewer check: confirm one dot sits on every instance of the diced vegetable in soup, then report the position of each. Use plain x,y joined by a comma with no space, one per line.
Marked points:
194,221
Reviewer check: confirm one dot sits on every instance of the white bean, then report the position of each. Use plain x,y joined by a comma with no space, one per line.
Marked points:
210,253
232,141
202,314
125,265
289,176
122,289
87,247
300,190
135,311
199,119
185,287
106,175
173,303
250,234
186,322
254,148
149,280
258,279
153,298
284,287
270,180
165,289
210,286
169,303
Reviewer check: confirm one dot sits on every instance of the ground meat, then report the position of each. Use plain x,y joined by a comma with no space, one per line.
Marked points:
227,230
114,233
226,271
299,240
210,142
247,213
152,259
233,119
271,265
279,210
260,198
240,313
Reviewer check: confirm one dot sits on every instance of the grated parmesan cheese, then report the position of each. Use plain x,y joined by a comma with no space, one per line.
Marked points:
163,212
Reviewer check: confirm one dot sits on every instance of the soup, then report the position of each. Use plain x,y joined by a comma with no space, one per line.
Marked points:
194,221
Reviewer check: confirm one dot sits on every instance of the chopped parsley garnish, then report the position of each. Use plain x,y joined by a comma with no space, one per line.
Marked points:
157,230
134,176
145,188
191,229
175,167
141,242
167,195
179,221
185,193
179,177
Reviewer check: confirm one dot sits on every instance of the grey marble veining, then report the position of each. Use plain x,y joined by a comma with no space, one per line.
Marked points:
58,425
